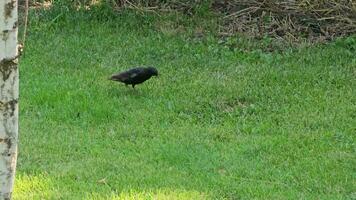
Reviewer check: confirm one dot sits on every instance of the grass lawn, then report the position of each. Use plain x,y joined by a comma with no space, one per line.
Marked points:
219,123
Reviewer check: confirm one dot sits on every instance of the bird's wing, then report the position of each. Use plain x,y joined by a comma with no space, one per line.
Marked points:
135,72
133,75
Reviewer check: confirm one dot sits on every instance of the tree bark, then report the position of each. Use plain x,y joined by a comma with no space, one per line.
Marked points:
9,93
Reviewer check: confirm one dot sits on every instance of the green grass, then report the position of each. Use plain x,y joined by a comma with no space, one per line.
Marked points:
217,124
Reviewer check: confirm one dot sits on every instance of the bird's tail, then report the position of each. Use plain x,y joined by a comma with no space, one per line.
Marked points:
112,78
115,77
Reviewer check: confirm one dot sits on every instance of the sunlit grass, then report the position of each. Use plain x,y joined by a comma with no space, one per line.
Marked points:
34,187
161,194
41,187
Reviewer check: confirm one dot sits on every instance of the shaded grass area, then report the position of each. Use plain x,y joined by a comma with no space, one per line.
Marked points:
219,123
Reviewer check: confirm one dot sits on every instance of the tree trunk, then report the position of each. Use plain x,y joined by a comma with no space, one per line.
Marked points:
9,92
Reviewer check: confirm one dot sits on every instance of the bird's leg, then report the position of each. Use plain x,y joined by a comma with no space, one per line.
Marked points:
133,86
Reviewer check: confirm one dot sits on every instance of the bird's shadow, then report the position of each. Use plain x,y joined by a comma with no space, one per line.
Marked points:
122,91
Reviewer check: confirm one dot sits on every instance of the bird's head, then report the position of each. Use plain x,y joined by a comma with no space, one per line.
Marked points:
153,71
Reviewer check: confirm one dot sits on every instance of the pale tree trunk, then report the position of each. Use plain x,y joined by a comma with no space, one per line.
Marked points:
9,93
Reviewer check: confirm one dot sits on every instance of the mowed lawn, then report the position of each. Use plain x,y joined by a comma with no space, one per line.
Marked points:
218,123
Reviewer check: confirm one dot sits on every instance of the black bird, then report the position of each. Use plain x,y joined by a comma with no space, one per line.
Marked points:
135,76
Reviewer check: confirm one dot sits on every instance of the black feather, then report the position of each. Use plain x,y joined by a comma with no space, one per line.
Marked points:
135,76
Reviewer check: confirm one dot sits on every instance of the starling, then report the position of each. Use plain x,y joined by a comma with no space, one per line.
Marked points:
135,76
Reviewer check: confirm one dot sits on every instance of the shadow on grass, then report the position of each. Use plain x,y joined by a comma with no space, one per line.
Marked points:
120,91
